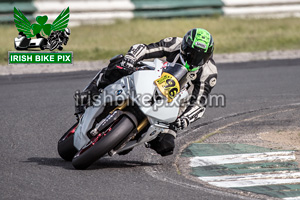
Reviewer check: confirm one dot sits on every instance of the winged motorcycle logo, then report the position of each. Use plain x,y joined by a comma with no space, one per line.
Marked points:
48,36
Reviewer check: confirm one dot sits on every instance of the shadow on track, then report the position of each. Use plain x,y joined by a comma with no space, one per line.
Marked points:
100,164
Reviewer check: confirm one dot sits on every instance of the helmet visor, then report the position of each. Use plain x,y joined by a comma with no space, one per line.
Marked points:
194,57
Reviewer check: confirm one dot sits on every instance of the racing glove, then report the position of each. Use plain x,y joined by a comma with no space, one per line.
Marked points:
128,62
181,123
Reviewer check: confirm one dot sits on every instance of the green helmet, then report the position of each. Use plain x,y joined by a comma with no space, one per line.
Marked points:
196,48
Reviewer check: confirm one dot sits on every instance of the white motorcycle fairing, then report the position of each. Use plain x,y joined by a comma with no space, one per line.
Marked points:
140,88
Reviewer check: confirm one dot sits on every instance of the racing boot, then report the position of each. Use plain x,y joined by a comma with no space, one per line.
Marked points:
163,144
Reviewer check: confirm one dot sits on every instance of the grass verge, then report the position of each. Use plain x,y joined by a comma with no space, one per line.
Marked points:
94,42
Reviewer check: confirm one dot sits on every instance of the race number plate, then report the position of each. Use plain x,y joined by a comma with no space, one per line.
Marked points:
168,86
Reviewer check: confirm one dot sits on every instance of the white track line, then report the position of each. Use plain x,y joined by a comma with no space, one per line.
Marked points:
242,158
292,198
280,177
250,183
158,173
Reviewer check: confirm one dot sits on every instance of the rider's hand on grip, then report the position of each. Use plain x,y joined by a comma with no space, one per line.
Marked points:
127,65
128,62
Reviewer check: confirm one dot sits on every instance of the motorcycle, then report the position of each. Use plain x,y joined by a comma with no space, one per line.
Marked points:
132,111
24,43
56,40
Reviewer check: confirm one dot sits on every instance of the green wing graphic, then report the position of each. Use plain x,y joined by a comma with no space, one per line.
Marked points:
22,23
61,22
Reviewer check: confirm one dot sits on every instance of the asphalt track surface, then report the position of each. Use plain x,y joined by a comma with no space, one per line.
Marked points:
37,109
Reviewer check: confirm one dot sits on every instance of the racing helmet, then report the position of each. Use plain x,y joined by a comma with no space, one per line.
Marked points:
196,48
67,32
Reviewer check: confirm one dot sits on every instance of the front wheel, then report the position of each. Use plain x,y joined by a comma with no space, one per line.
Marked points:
65,146
100,146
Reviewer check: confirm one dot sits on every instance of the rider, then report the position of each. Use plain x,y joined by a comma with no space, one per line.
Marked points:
62,36
195,52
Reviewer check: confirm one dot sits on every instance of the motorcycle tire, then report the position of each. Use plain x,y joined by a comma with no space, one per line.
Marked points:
65,146
43,44
84,158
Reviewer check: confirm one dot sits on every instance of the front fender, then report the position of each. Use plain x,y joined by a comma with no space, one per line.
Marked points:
85,124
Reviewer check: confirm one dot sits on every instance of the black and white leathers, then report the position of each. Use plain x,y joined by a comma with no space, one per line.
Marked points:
201,81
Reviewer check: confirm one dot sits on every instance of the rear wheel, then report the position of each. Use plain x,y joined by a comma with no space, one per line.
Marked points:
65,145
43,43
102,144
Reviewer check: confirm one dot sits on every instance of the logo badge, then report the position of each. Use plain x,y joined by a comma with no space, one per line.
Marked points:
119,92
192,75
41,35
200,44
213,82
